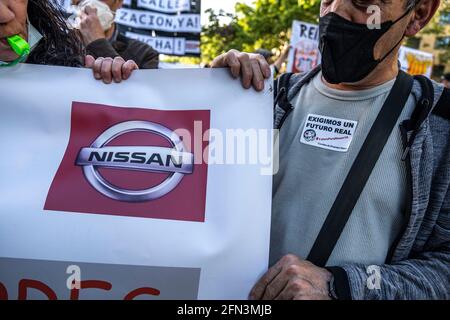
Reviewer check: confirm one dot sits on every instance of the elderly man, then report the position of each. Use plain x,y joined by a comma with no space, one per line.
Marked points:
102,38
364,210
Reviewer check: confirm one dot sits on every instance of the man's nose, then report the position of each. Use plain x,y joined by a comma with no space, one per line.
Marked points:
6,14
343,8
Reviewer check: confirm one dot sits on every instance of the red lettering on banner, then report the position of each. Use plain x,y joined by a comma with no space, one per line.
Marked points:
141,291
24,284
3,292
90,284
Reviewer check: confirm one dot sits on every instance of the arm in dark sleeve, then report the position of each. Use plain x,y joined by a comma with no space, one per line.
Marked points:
101,48
150,60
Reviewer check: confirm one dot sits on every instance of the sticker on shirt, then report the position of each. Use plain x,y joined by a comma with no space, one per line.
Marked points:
328,133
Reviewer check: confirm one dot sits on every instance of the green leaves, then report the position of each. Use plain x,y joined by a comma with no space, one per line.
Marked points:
266,25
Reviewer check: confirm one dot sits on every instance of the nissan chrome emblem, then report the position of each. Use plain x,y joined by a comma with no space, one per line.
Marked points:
175,161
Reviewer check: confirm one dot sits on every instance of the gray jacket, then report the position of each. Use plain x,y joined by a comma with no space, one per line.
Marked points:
419,264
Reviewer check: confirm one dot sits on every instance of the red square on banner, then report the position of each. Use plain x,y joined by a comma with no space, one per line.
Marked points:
133,162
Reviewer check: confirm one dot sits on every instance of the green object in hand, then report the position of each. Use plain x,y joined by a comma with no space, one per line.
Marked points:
19,45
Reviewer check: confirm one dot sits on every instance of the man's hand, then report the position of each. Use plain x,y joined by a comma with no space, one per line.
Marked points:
109,69
292,278
90,26
252,68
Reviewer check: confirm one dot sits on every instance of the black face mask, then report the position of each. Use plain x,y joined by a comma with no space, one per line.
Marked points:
347,48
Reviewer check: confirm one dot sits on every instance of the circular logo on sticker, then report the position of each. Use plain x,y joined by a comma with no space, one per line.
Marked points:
309,135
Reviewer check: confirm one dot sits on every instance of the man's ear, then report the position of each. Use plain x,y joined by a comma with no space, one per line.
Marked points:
422,13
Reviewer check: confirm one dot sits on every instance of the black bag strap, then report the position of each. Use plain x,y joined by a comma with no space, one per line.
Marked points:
361,170
305,78
281,91
442,108
282,82
282,87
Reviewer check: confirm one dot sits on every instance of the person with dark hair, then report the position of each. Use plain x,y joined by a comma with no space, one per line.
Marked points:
50,40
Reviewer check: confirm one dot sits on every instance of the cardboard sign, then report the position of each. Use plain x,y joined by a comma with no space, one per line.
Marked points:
304,54
172,27
416,62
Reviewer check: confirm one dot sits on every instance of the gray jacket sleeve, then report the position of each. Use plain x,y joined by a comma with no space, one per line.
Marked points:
425,275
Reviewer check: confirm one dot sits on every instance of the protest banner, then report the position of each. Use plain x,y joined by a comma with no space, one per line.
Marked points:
133,190
171,27
304,54
416,62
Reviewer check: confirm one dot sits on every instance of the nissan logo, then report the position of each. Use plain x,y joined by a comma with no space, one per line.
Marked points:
174,161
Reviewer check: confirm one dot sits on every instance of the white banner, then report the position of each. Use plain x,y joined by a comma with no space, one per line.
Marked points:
168,6
164,45
100,182
167,45
304,54
149,20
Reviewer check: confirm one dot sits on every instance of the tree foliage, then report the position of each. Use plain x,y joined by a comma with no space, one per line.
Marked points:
437,25
267,25
440,26
264,25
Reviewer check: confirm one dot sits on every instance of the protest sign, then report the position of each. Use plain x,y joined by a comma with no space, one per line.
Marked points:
304,54
416,62
121,191
171,27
